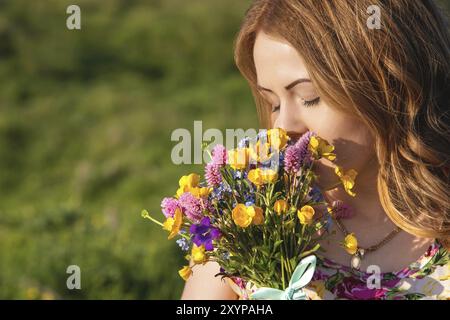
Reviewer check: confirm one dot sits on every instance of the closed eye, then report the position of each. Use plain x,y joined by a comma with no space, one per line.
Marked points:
307,104
311,102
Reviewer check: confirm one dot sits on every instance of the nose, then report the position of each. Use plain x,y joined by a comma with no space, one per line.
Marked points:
289,122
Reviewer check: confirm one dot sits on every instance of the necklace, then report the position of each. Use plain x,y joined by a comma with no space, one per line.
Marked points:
358,256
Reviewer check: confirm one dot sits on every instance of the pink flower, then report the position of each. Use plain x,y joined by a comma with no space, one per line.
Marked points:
292,161
168,206
219,155
342,210
212,174
192,206
298,154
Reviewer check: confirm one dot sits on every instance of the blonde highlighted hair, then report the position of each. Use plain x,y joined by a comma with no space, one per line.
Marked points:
395,79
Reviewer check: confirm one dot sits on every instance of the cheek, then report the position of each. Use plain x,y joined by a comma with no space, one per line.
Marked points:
354,146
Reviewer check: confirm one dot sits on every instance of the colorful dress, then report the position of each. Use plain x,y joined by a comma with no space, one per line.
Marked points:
427,278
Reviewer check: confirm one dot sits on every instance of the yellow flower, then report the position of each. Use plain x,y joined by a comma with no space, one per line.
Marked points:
239,158
198,254
278,138
243,216
306,214
280,206
347,179
350,244
200,192
258,218
185,272
321,148
186,183
173,224
255,177
269,175
260,176
260,152
240,216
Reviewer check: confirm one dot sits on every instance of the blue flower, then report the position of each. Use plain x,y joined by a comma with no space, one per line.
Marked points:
244,143
183,243
262,135
316,194
237,174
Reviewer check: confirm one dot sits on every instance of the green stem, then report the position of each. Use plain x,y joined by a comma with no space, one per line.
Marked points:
146,215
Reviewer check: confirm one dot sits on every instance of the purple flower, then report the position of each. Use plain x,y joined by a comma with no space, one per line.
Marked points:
303,145
341,210
212,174
203,234
192,206
219,155
169,206
298,154
292,161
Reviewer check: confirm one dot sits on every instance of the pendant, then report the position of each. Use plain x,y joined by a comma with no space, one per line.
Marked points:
355,262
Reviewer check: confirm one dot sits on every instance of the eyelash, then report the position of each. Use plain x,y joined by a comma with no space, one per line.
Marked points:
307,104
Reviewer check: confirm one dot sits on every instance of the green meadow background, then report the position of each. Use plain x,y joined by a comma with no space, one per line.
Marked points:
85,123
85,137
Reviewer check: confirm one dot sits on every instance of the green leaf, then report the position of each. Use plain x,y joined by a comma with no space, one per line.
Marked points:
306,253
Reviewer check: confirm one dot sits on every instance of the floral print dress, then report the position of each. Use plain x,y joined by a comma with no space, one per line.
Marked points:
427,278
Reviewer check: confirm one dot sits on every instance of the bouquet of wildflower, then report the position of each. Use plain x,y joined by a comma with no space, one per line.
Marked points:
254,213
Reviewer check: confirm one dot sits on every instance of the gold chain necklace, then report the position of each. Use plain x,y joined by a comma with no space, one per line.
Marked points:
358,256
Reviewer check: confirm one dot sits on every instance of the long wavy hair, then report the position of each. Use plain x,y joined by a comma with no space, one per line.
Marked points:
395,79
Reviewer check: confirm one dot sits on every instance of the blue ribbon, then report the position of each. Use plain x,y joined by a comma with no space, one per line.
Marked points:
302,275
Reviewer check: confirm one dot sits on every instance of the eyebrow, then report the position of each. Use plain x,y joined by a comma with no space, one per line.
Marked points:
289,86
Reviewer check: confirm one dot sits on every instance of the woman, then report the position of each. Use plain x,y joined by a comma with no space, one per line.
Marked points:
380,95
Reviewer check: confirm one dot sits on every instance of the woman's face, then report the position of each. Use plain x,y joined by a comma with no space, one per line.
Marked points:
297,107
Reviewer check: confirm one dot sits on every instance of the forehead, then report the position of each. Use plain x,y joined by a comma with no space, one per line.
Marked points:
276,59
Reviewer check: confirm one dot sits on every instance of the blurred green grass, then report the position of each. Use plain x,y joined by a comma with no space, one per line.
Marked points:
85,124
